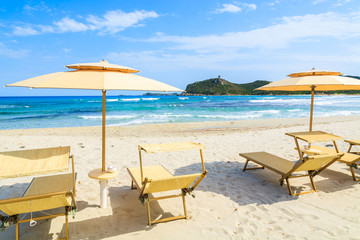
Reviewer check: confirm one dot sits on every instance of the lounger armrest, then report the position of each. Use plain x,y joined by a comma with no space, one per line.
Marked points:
203,175
143,187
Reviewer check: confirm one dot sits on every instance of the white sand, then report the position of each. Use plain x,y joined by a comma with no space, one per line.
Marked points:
229,203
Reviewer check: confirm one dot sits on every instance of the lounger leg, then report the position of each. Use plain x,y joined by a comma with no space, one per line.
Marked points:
184,204
17,231
148,212
353,175
300,193
312,183
67,223
247,161
289,187
132,185
349,148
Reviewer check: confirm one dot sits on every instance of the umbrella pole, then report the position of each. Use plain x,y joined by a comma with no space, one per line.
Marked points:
103,182
103,127
312,106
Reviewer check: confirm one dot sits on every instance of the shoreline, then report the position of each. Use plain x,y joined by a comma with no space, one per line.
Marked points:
196,126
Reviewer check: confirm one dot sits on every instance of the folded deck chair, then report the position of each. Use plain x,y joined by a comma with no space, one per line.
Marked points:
350,159
313,165
156,178
44,192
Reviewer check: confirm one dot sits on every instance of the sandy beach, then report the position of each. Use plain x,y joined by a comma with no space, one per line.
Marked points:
229,203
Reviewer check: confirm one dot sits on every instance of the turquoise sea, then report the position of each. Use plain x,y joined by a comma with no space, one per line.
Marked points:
45,112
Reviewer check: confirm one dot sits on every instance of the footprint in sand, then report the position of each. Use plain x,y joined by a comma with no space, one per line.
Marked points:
251,208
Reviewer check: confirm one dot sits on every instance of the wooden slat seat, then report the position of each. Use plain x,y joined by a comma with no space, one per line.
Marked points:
154,172
268,160
160,179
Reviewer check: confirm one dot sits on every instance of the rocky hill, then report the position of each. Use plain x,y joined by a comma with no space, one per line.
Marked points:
220,86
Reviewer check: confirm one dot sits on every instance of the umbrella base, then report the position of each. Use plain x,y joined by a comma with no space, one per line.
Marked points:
103,178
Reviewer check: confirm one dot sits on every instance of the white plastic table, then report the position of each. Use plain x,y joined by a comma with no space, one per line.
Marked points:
103,177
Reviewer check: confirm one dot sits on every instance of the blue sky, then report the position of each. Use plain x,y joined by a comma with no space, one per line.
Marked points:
178,41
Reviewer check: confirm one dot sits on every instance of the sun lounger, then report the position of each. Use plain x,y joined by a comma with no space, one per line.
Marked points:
313,165
350,159
353,143
44,192
153,179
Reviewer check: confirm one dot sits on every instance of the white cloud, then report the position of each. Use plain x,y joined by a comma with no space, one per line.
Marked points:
228,7
235,7
273,3
110,22
28,8
149,60
249,6
280,35
69,25
8,52
24,31
46,29
38,7
115,21
340,3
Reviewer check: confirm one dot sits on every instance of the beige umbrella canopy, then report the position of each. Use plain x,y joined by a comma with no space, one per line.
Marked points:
311,81
102,65
315,72
101,76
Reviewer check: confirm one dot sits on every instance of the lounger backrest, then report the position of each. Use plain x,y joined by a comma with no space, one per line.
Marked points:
33,162
316,162
173,183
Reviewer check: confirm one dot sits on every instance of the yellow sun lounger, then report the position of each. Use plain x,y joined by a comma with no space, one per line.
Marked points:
44,192
313,165
350,159
156,178
353,143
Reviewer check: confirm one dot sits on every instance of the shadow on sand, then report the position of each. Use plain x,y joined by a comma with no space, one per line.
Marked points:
262,186
128,216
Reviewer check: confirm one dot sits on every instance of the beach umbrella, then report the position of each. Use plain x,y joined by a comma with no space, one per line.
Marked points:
314,80
98,76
